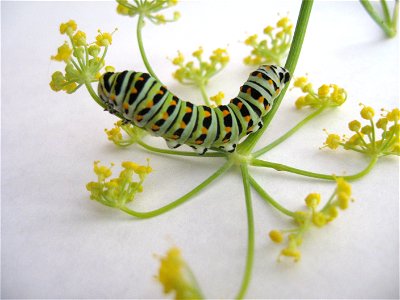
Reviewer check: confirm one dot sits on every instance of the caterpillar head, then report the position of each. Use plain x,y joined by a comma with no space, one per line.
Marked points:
104,87
281,73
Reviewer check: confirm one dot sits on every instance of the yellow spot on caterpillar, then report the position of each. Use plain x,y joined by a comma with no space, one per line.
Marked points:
225,113
277,91
228,129
259,75
204,130
247,118
261,99
165,116
267,68
183,124
140,79
133,90
207,114
150,104
270,81
160,92
188,109
250,129
267,106
125,106
198,142
173,102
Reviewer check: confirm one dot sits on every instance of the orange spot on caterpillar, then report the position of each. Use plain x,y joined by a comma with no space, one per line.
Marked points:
155,127
198,142
188,110
204,130
207,114
225,113
126,106
139,118
247,118
259,75
133,90
165,116
261,99
239,105
150,104
140,79
183,124
173,102
248,91
277,91
228,129
270,81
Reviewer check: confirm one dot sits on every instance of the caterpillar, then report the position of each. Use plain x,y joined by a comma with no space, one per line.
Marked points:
146,103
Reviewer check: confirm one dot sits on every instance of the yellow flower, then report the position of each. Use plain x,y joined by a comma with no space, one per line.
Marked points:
313,200
367,113
276,236
283,22
101,171
79,38
122,10
343,186
355,126
251,40
323,90
68,27
319,219
268,29
198,52
63,53
114,134
332,141
179,59
343,200
104,39
175,276
294,253
300,82
218,98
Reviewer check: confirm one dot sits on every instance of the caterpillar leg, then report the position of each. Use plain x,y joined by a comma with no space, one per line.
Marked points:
228,147
200,150
172,144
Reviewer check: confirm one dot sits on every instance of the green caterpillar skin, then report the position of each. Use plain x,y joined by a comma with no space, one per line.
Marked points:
146,103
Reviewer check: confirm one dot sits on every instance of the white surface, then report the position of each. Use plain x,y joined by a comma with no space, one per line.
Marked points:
56,243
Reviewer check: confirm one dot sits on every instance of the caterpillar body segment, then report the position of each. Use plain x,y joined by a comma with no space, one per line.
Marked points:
146,103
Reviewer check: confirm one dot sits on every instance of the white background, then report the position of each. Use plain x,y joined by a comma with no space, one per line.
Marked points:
56,243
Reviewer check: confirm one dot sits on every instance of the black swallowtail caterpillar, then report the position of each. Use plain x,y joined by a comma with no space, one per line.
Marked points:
146,103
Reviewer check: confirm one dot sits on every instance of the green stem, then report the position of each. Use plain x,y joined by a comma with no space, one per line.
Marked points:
269,199
385,10
389,31
140,25
291,62
289,133
202,88
280,167
250,234
182,153
94,95
179,201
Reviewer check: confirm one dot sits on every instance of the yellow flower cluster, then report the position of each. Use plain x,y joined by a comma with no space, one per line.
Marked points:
82,59
312,218
327,95
175,276
200,72
274,48
217,99
378,138
134,134
120,190
148,8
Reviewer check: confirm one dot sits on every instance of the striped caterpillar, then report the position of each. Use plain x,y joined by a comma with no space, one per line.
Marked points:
146,103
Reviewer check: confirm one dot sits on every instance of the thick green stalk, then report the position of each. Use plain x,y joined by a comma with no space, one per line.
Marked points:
280,167
289,133
388,27
291,62
179,201
181,153
250,234
269,199
139,28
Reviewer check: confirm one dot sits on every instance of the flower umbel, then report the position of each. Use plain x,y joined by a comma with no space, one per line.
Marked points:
134,134
199,72
312,217
120,190
176,277
274,48
327,95
83,59
376,138
148,9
